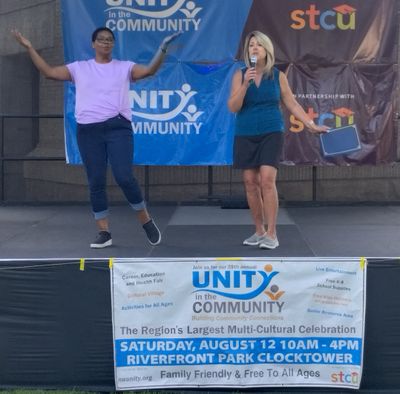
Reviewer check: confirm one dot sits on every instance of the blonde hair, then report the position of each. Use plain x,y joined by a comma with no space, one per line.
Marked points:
266,43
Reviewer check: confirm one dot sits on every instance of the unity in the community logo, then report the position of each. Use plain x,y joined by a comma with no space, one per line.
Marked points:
152,15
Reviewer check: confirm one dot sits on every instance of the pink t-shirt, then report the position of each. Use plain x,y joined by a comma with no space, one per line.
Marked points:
101,89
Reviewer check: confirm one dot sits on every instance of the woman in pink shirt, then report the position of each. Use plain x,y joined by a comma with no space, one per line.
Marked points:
104,131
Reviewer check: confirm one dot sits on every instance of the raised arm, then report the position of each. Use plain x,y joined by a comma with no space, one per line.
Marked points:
59,73
295,108
140,71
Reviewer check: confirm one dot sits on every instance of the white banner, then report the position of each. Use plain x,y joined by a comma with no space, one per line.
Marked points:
248,322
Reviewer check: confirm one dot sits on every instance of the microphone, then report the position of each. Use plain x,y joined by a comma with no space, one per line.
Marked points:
253,62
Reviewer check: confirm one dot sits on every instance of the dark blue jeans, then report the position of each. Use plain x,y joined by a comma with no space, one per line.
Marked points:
109,142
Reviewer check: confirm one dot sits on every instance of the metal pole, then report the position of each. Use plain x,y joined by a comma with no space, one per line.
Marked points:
210,183
314,183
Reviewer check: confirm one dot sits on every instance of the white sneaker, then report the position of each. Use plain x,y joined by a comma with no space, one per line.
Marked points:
268,243
254,240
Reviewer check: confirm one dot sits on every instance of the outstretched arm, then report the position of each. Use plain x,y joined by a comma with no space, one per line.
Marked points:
140,71
295,108
59,73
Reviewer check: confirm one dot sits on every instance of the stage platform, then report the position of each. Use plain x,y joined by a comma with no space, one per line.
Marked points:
55,324
200,231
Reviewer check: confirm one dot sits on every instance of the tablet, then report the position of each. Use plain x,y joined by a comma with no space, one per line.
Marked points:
340,141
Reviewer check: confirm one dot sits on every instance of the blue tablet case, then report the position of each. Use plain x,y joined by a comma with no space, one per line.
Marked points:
340,141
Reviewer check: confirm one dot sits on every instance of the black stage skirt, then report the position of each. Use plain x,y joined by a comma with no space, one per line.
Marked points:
257,150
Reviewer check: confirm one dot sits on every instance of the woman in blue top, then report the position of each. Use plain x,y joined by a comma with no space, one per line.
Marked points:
256,95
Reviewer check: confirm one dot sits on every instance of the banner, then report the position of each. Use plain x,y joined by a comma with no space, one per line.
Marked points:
186,121
180,116
341,62
343,95
340,59
329,31
248,322
211,29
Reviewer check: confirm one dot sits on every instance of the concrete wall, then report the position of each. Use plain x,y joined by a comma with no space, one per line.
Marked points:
23,91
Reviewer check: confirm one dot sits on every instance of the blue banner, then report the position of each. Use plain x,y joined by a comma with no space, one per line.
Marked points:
212,29
186,121
180,116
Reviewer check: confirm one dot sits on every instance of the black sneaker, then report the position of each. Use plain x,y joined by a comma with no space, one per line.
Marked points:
152,232
103,240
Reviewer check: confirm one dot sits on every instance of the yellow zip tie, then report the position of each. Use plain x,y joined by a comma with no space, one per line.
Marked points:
82,265
228,258
363,262
110,263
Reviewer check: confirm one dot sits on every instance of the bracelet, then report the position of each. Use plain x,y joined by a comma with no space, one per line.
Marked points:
163,49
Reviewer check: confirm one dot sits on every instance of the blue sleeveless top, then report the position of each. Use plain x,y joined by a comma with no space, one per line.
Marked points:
261,112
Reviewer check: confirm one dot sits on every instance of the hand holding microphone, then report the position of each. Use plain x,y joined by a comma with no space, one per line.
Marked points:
253,62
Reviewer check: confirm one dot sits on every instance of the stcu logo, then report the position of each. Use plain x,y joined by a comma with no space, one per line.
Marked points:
152,15
342,17
338,117
343,377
